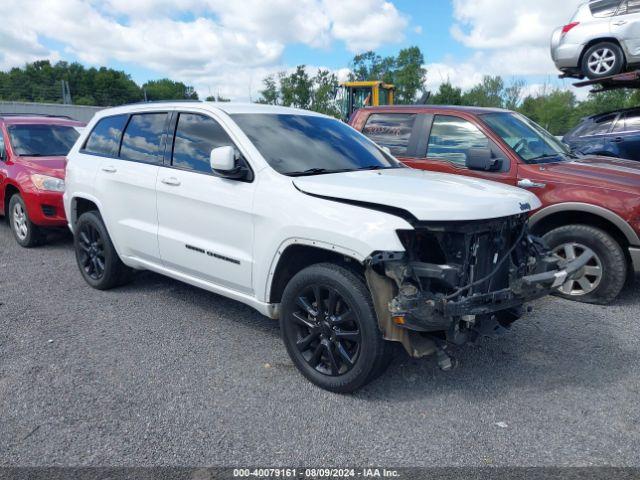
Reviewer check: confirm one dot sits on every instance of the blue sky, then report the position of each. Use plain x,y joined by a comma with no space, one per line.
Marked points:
226,47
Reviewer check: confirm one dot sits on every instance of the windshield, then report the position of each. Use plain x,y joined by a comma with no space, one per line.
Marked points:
42,140
529,140
311,145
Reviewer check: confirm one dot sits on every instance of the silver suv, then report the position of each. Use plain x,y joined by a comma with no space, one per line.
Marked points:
602,39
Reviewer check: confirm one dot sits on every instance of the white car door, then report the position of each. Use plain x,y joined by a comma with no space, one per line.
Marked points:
126,180
205,221
625,26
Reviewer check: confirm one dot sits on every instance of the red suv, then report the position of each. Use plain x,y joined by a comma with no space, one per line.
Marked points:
32,165
589,204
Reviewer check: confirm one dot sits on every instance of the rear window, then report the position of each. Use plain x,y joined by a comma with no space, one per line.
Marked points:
392,130
604,8
105,137
143,137
42,140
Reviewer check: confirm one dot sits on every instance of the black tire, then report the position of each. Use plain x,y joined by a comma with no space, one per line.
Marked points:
613,51
97,259
349,326
24,231
610,259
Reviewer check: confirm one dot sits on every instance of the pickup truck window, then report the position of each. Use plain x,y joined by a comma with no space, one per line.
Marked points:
451,137
142,138
529,141
298,145
196,136
392,130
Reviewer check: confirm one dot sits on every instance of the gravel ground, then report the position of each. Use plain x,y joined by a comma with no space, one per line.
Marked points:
161,373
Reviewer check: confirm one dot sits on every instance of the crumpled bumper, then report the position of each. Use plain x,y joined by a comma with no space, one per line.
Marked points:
416,311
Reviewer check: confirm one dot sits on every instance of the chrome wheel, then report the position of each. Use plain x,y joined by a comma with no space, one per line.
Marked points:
601,61
20,221
592,272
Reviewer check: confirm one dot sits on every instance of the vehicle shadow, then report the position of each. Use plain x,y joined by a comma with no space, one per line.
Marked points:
561,343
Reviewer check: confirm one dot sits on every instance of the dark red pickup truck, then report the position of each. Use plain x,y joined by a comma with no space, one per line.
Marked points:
589,204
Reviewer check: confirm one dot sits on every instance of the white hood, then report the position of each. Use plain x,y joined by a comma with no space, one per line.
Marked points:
428,196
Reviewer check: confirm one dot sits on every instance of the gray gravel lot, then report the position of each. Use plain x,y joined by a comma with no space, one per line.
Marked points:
161,373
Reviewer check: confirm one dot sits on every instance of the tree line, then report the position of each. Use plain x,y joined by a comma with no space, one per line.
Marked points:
557,110
42,81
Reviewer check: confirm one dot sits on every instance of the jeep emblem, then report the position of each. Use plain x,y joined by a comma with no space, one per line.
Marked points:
525,207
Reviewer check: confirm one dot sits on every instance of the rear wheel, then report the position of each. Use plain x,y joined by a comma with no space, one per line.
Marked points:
330,329
24,231
97,259
605,274
602,60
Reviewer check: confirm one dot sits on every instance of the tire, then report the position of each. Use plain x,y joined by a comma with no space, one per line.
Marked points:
24,231
97,259
345,328
612,61
604,285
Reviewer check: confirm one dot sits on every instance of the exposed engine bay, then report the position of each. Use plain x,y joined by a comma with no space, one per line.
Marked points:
458,281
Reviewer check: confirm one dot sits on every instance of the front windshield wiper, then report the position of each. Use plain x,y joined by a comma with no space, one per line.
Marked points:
316,171
539,158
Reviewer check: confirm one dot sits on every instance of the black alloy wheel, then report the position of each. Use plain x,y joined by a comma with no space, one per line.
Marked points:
91,251
330,328
97,258
327,333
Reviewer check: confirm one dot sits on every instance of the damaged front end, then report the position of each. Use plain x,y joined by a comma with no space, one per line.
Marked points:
457,281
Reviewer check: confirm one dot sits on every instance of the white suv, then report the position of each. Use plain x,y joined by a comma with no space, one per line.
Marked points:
306,220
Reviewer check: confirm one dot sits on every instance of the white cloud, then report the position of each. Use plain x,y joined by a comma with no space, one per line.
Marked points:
225,45
509,38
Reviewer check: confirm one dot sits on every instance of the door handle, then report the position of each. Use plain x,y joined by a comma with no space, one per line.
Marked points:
109,169
171,181
619,23
618,140
527,183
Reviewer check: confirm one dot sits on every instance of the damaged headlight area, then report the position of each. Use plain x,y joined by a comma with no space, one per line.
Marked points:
457,281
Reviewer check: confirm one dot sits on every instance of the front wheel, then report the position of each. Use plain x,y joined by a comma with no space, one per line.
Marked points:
602,60
605,274
97,258
330,329
24,231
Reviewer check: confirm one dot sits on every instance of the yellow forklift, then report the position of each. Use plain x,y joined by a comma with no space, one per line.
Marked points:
355,95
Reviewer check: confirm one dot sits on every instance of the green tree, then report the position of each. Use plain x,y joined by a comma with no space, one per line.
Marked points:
296,88
488,93
166,89
270,94
325,85
409,75
551,109
447,95
371,66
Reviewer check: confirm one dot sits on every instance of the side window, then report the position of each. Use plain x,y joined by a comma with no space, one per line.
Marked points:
630,123
451,137
604,8
3,152
629,7
392,130
143,138
196,136
601,126
105,136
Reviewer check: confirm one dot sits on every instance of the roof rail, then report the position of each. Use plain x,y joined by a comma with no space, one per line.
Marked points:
46,115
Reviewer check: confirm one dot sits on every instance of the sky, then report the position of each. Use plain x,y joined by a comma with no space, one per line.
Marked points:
227,47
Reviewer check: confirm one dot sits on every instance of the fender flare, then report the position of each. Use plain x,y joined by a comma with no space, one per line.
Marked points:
347,252
614,218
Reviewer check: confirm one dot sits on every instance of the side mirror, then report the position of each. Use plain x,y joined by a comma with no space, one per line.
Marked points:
481,159
386,150
223,159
